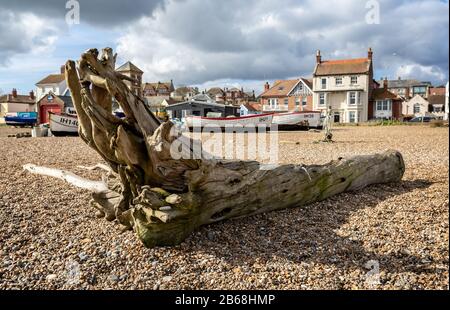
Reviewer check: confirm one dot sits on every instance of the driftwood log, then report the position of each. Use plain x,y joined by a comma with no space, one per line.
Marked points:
164,199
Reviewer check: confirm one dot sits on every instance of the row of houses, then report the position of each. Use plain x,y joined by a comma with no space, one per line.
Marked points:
346,86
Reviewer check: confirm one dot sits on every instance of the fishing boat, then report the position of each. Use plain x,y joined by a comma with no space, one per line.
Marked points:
296,120
63,124
21,119
222,122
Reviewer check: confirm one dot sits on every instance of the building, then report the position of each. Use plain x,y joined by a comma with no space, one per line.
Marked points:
345,86
416,106
439,90
250,108
130,70
437,105
158,89
201,105
184,93
216,93
407,89
55,83
287,95
446,108
54,103
385,104
16,103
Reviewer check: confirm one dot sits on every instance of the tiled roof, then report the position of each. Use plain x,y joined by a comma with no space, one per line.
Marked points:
399,83
281,88
52,79
308,82
18,99
436,99
250,107
158,85
343,66
129,66
437,91
381,94
215,91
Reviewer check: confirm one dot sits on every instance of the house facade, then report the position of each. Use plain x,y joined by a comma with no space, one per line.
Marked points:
16,103
437,105
416,106
385,104
345,86
287,95
184,93
55,83
201,105
132,71
250,108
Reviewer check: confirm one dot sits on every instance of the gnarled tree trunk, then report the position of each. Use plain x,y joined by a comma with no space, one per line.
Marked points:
164,199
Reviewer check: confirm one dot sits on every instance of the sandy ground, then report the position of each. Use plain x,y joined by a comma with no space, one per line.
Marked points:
384,237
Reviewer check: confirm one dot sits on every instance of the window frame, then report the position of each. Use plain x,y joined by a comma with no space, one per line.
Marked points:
354,82
322,84
338,78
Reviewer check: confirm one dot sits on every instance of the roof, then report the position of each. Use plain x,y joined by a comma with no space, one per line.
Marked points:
8,98
281,88
215,91
67,101
52,79
184,90
436,99
308,82
437,91
129,66
343,66
381,94
399,83
250,107
158,85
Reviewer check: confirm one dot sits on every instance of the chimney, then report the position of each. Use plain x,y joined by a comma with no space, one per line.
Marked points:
266,86
385,83
370,53
318,57
14,92
32,95
63,69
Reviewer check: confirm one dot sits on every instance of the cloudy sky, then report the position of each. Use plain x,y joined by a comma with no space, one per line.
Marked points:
223,43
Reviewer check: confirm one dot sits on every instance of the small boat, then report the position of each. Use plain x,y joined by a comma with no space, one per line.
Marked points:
63,124
222,122
295,120
21,119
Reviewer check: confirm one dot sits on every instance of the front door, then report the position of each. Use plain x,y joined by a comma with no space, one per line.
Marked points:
44,109
337,118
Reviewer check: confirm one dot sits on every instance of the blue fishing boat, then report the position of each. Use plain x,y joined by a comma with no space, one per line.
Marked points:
21,119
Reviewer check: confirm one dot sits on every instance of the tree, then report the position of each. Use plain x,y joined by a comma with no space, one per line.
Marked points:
164,199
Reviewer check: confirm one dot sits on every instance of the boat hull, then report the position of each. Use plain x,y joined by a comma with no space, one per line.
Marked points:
21,119
296,120
63,125
252,120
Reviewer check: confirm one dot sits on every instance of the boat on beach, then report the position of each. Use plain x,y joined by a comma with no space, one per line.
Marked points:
297,120
222,122
63,124
21,119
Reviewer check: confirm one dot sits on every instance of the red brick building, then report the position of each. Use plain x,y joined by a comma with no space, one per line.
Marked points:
288,95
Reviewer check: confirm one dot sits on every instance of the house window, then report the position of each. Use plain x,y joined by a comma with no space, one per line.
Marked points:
304,101
416,108
384,105
322,99
338,81
354,80
324,83
286,101
421,90
352,98
352,116
297,102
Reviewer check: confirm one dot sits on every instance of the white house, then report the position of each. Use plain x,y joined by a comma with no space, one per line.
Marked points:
344,85
417,106
54,83
248,109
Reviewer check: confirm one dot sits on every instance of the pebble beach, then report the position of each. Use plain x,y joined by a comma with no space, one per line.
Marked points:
391,236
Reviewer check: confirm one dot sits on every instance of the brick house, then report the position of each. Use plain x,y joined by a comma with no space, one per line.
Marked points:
346,86
287,95
54,103
17,103
409,88
385,104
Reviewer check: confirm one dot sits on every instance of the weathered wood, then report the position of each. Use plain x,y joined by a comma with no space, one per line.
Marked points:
163,199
